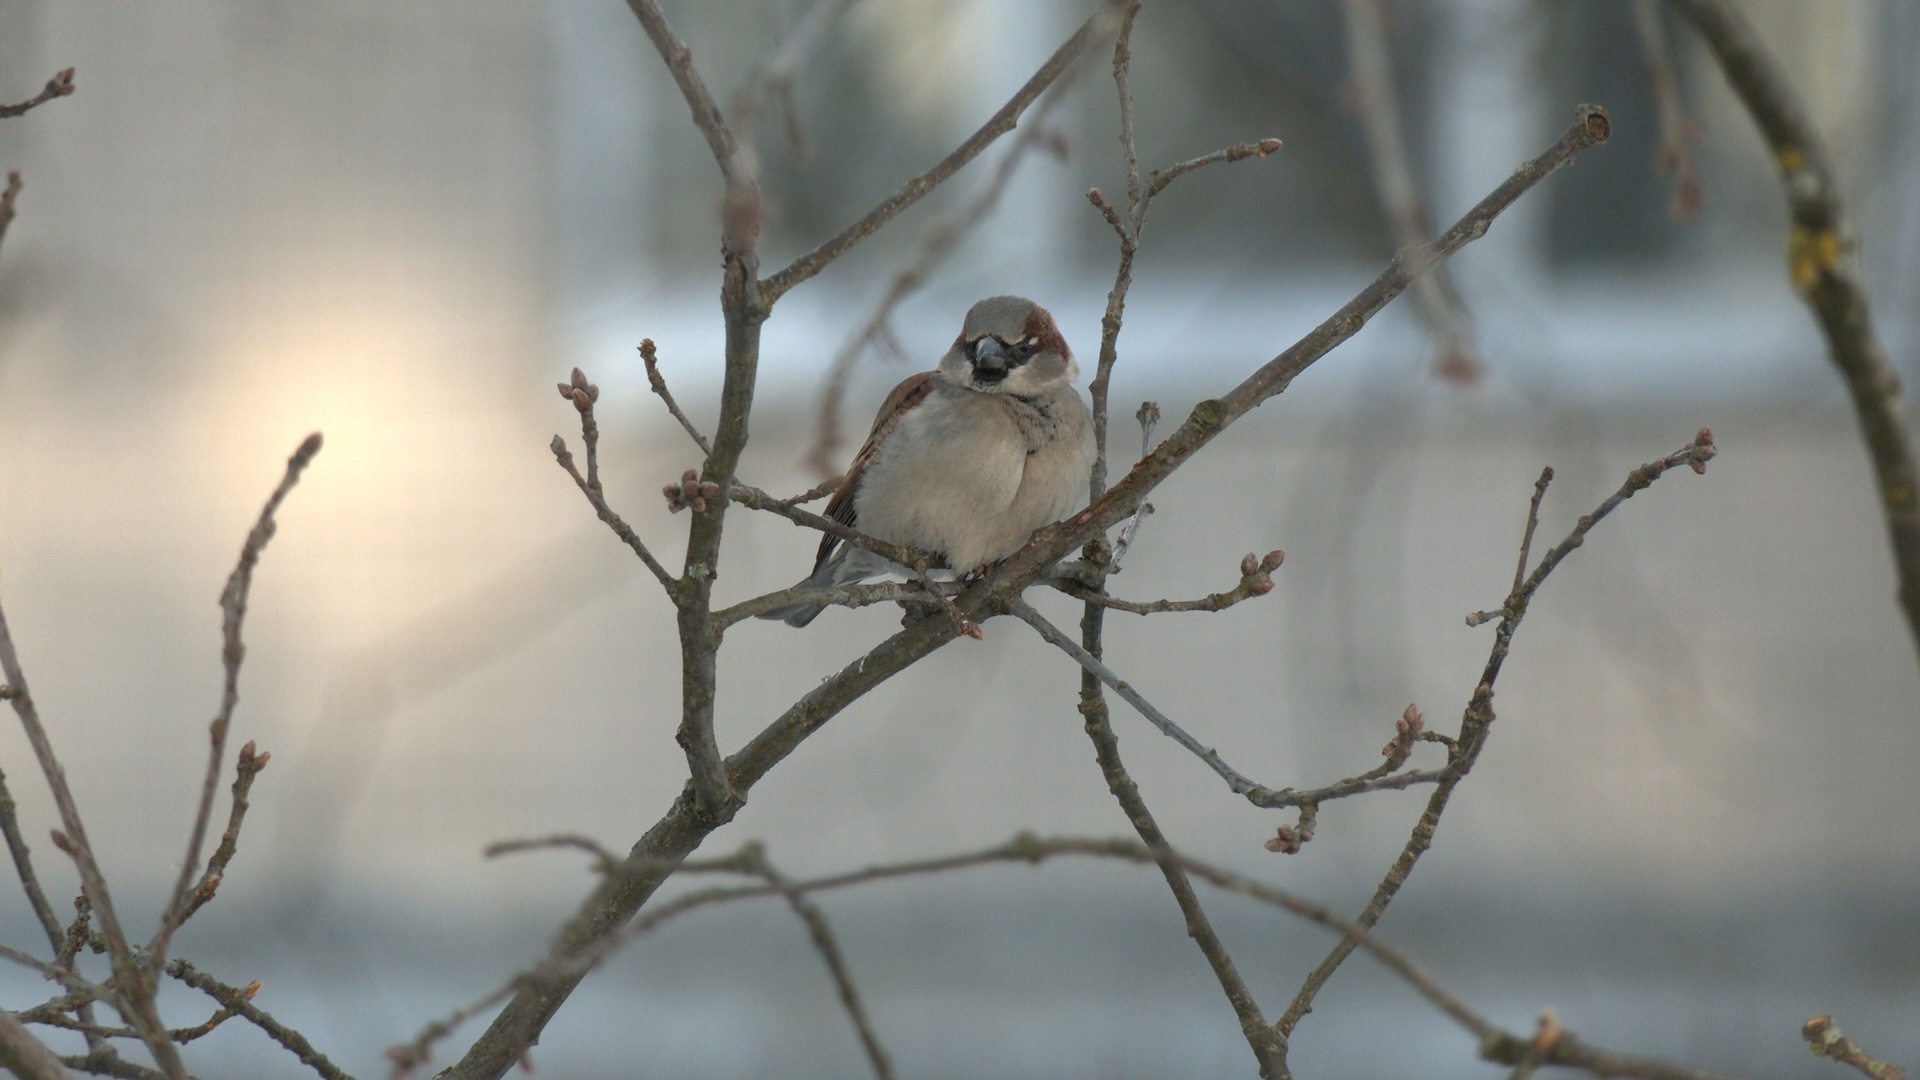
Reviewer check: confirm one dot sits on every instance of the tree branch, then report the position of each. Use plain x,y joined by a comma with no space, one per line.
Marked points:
1825,1039
233,612
598,500
25,1056
1371,69
820,932
1677,129
659,385
7,197
57,87
1268,1051
1823,270
248,766
1478,717
239,1000
997,125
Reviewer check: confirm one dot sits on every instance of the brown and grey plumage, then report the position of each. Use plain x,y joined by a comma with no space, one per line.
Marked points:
967,460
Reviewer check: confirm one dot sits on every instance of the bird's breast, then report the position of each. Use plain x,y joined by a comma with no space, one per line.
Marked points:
957,477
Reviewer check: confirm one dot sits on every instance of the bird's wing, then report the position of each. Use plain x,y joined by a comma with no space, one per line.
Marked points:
904,398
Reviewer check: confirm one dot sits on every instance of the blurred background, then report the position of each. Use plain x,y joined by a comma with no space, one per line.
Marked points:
401,223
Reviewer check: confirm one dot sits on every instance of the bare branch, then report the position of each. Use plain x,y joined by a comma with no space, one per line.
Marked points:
603,860
820,932
1255,580
69,979
1477,719
1160,178
1379,107
7,197
1268,1050
755,499
233,612
1149,417
1823,270
102,1060
136,1008
1677,129
240,1001
613,520
706,114
57,87
1237,783
23,863
999,124
816,492
25,1056
659,385
773,81
246,768
852,596
1825,1039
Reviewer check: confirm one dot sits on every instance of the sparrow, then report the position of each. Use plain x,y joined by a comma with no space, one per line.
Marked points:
967,460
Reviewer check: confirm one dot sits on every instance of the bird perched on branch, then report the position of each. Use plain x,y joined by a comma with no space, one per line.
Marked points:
967,460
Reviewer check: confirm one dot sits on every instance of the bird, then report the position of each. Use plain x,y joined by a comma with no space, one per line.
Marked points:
967,460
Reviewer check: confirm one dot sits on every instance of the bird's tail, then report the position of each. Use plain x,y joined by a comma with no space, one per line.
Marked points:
835,571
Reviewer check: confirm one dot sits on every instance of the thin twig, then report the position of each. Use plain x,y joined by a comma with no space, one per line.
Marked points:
1823,270
1677,129
581,394
820,932
603,860
58,1018
1003,121
755,499
233,612
773,81
706,114
23,864
1255,580
57,87
240,1000
1825,1039
69,979
1160,178
246,767
613,521
1237,783
815,493
659,384
135,1004
1477,719
1378,104
1533,522
1267,1050
1149,417
103,1060
852,596
7,197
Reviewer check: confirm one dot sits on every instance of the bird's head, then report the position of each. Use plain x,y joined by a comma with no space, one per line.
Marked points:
1009,345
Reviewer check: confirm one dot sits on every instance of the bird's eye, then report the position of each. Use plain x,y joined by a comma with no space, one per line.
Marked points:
1020,351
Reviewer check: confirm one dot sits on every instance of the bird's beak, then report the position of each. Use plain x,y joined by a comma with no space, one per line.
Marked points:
989,359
